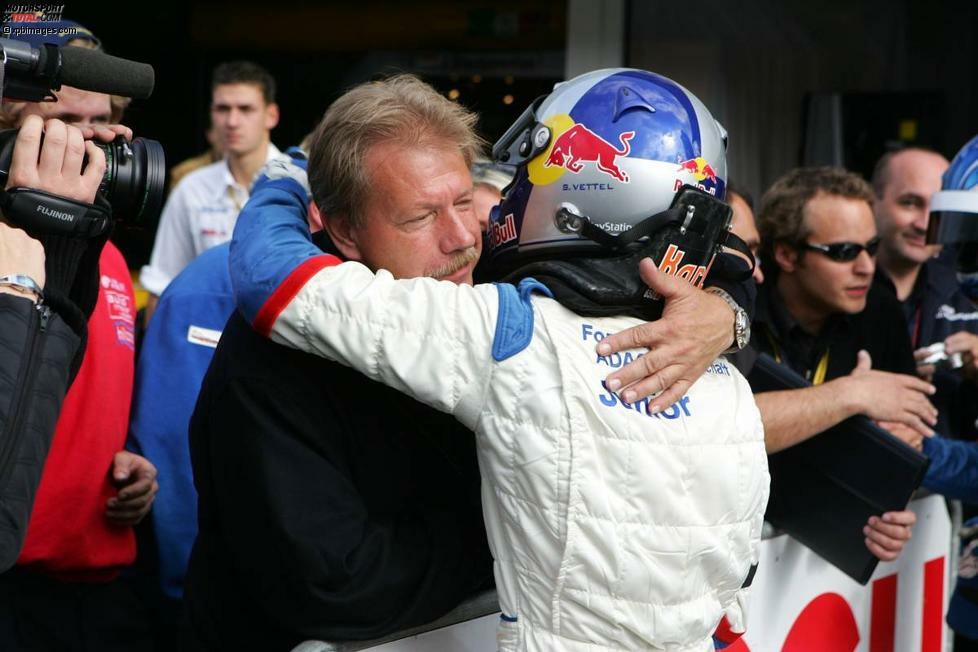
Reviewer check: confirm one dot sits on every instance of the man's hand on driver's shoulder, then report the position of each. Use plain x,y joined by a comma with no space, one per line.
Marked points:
694,329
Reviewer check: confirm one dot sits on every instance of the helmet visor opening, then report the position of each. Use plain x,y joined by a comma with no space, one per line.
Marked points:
949,227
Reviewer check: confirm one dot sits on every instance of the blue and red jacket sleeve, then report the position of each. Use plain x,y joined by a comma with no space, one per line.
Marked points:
272,254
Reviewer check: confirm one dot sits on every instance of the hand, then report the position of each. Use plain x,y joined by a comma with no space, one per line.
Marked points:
904,433
925,371
694,329
55,165
966,344
136,478
886,536
885,396
20,254
105,133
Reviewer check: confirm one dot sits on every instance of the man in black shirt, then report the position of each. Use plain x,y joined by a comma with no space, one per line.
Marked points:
817,314
332,507
934,309
832,351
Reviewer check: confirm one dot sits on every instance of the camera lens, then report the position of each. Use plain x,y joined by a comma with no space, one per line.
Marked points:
134,179
135,174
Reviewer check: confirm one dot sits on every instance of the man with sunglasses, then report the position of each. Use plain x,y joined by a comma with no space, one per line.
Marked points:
844,252
816,314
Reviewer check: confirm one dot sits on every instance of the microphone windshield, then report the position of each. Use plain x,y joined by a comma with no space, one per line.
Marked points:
92,70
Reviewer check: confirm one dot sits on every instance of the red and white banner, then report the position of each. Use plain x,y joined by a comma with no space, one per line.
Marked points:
800,603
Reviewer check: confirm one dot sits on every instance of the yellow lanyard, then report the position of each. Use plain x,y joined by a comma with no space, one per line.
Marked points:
820,369
233,196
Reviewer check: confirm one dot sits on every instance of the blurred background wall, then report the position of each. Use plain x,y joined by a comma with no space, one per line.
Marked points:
793,82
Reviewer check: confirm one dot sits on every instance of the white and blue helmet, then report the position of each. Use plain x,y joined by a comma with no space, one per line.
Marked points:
612,147
954,215
954,208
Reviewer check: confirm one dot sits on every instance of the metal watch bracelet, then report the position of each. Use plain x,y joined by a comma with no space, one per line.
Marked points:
23,283
741,331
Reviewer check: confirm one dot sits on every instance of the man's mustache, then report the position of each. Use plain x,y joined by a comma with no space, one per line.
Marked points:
466,257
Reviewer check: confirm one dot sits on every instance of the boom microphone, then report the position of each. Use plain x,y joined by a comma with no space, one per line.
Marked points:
92,70
30,74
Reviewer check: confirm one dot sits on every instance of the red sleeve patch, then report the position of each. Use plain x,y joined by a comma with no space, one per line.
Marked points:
290,287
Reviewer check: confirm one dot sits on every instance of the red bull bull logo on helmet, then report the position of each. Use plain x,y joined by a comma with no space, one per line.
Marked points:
579,144
702,172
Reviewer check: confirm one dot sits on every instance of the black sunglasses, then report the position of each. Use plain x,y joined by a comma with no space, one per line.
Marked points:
843,252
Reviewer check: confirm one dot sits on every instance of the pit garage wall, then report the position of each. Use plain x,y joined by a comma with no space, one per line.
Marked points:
596,32
754,62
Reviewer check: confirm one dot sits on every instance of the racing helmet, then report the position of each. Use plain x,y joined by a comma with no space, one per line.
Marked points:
954,215
954,208
602,162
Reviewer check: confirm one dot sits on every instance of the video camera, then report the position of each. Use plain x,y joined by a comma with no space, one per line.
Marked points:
135,173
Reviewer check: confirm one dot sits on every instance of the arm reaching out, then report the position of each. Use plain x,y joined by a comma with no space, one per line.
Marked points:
792,416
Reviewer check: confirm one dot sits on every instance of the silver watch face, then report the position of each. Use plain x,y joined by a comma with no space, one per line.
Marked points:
742,329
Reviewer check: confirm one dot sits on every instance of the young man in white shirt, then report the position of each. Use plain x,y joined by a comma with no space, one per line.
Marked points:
202,210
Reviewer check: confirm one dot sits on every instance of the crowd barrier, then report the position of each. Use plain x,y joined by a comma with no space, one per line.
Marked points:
799,603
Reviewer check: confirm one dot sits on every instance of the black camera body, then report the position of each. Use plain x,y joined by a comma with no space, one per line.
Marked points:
132,186
134,181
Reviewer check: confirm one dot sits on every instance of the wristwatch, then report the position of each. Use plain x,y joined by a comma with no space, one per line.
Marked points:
23,283
741,320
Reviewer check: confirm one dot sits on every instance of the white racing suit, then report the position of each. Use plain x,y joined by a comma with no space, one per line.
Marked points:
611,529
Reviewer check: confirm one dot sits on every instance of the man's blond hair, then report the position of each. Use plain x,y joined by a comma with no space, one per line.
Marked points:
401,109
